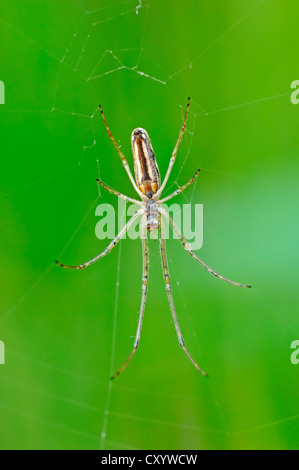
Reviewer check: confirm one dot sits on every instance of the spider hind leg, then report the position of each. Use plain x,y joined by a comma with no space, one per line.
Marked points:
170,298
143,298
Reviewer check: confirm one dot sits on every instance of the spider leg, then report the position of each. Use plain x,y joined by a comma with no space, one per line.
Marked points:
109,247
180,189
170,297
188,248
174,153
118,194
123,158
143,298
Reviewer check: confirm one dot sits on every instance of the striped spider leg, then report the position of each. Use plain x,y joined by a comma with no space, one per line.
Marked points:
170,297
144,294
189,250
110,247
123,158
148,186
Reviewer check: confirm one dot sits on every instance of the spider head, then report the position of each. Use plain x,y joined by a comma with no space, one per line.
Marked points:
145,166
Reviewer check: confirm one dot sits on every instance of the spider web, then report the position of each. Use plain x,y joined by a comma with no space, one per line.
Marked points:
82,58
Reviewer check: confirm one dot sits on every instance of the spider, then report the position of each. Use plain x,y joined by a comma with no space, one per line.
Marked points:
147,185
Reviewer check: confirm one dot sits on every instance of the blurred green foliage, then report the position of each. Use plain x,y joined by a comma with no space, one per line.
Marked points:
61,329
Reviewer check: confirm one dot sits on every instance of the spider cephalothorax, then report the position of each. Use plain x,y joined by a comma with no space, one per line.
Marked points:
148,186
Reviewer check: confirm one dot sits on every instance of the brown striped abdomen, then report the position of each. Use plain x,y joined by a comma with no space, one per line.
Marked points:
145,166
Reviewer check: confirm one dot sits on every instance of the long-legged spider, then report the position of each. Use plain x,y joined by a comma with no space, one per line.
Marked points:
148,186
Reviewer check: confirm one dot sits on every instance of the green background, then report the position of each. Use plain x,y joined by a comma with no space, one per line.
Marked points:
64,331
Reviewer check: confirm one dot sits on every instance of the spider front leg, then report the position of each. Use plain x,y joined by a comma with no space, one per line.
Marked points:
144,294
188,248
123,158
170,297
174,153
109,247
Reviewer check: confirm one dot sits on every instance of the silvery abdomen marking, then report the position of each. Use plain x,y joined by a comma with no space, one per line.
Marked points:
145,166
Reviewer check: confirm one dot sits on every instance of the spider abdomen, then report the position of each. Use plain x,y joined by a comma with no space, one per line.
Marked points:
145,166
